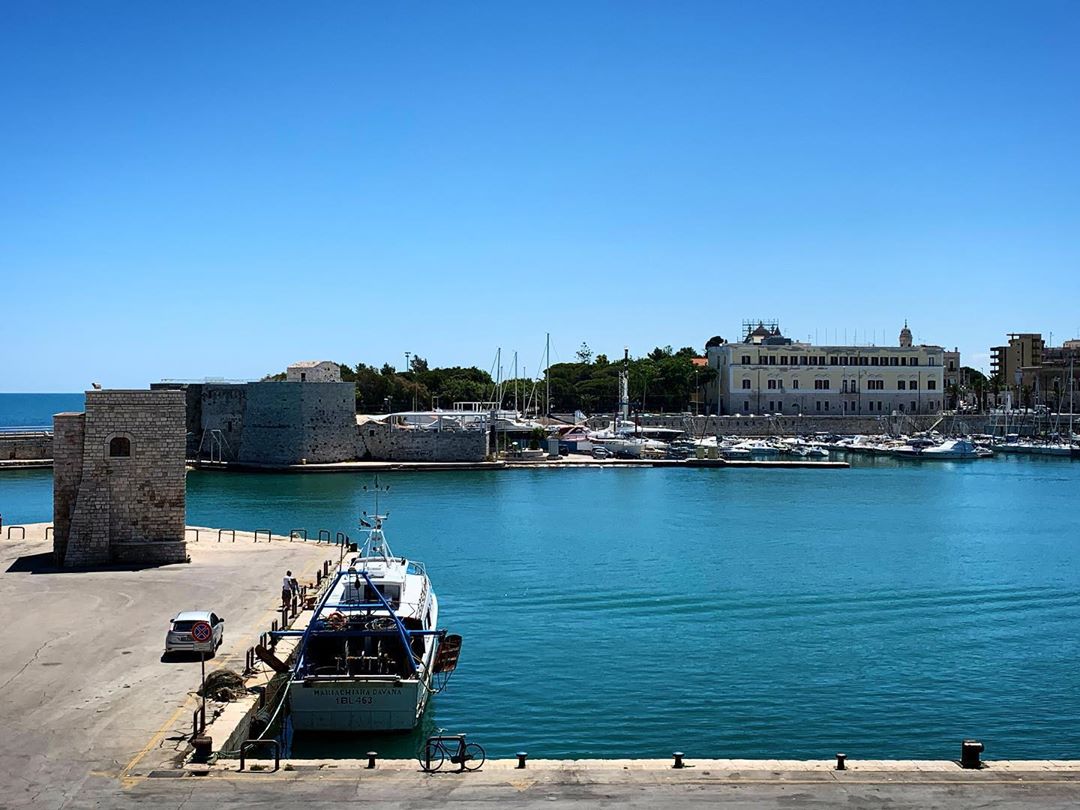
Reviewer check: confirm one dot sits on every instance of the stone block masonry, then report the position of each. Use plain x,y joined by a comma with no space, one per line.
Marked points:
119,480
25,446
380,442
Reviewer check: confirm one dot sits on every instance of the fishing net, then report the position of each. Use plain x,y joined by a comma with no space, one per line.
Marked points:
224,685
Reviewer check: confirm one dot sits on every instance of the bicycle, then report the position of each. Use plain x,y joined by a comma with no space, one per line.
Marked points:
434,752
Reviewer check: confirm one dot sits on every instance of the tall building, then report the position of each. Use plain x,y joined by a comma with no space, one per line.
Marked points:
1024,349
767,373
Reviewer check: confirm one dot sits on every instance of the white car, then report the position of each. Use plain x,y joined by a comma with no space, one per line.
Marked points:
179,638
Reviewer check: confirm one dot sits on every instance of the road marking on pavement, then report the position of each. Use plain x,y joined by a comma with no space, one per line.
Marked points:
126,779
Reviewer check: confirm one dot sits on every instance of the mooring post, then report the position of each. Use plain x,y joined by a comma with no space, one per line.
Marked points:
840,762
969,754
371,755
522,755
678,760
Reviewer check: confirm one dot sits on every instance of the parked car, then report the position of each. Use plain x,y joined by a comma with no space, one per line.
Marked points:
179,638
599,451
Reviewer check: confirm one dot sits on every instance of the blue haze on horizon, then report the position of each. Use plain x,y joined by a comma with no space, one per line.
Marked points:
204,190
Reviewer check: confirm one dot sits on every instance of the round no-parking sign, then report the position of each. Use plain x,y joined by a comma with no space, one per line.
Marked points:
202,632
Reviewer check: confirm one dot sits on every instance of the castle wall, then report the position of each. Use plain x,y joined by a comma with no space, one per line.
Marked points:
110,507
293,422
379,443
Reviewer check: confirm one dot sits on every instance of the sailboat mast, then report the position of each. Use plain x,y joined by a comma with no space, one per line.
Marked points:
515,384
547,374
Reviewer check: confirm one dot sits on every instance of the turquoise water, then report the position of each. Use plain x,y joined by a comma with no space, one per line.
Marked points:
888,610
36,410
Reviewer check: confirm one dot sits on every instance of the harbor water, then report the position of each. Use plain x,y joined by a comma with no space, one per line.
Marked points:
886,611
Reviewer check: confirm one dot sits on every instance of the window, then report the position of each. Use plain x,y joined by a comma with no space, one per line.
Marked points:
772,385
818,403
843,386
746,384
914,406
901,407
795,384
119,447
903,361
303,376
745,360
746,406
802,360
821,385
914,385
875,385
783,359
826,404
931,385
772,406
900,385
894,361
833,361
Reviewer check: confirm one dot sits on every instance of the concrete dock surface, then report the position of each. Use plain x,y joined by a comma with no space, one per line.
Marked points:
92,716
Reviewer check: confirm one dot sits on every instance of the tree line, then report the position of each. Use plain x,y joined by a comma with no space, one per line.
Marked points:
663,380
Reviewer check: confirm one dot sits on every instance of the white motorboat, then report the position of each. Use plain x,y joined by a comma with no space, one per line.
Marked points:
371,656
950,450
758,448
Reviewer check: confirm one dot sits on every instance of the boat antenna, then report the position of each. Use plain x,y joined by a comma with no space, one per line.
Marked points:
375,489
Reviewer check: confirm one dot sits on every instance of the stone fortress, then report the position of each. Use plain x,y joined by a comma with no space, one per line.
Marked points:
119,480
309,418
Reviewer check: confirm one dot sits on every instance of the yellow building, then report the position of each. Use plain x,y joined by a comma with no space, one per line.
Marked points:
1024,350
768,373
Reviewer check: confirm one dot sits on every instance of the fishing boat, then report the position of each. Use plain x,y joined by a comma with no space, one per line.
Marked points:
372,655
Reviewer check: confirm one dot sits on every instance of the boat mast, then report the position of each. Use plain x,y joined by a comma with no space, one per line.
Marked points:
515,385
624,387
547,374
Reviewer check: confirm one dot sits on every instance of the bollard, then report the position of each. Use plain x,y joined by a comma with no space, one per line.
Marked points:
20,528
284,617
521,755
318,578
840,758
678,760
50,528
269,537
371,759
969,754
204,746
273,626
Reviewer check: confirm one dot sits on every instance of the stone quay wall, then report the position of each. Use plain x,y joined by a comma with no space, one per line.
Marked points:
378,442
26,446
119,480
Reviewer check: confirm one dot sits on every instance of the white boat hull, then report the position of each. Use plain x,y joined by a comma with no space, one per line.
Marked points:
356,704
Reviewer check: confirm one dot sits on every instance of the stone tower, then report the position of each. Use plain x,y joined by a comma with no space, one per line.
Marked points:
119,480
905,337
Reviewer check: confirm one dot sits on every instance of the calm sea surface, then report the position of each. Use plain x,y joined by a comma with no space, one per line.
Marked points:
888,610
36,410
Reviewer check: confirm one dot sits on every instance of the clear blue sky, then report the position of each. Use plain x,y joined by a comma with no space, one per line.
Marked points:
192,189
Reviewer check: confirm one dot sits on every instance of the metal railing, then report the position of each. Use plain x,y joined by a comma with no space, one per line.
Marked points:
249,744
